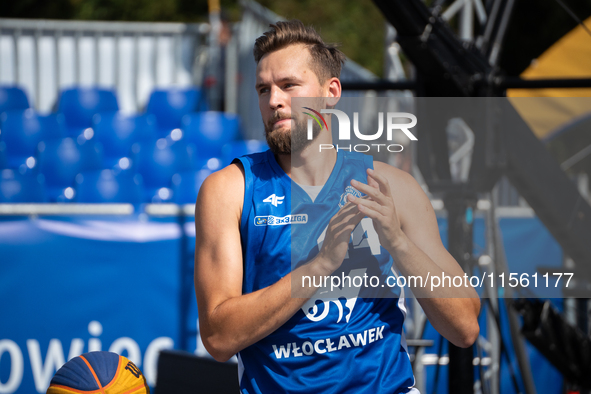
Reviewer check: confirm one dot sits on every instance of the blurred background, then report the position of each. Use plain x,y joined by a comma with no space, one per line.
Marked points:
113,112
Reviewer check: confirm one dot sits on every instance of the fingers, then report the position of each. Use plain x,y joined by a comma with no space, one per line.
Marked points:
358,217
369,212
346,210
341,225
372,182
373,192
348,214
384,186
365,202
370,209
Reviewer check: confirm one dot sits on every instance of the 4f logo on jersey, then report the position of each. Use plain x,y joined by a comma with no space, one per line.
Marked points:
275,200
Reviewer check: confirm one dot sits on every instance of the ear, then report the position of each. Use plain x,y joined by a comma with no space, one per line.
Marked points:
334,91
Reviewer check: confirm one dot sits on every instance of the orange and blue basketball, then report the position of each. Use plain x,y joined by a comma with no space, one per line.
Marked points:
99,373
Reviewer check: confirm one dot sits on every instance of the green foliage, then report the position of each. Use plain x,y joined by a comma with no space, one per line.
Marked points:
137,10
56,9
357,25
113,10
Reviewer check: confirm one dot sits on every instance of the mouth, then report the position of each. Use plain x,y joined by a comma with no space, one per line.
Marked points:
282,121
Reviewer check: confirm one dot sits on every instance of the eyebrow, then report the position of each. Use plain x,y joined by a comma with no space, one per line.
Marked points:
284,79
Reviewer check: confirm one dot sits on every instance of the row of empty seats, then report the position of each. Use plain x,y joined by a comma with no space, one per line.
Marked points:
88,151
101,186
116,135
79,105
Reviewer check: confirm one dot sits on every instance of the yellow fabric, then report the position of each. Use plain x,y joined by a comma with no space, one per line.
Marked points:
545,110
129,380
546,115
65,390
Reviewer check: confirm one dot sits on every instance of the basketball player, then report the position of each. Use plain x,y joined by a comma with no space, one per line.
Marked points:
347,341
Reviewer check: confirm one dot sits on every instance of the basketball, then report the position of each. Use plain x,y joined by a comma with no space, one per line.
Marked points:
98,372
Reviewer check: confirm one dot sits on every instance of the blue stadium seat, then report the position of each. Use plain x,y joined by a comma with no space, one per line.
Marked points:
3,159
169,107
53,126
235,149
23,130
108,186
12,98
80,104
185,185
209,131
60,160
18,188
157,162
117,133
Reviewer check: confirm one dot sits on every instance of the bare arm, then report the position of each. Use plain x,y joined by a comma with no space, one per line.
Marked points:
229,321
406,224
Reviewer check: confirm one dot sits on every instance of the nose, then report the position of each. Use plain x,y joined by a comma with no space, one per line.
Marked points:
276,98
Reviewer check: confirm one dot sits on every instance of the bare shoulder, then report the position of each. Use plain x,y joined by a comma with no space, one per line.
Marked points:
409,197
222,191
401,182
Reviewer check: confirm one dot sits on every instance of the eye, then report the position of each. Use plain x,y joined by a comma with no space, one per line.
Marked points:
263,90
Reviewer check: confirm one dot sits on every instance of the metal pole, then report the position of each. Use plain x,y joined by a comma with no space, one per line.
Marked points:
582,306
17,35
214,55
490,25
176,57
460,207
97,38
420,320
231,84
491,325
516,336
155,60
37,93
77,58
58,84
134,78
116,63
498,41
467,21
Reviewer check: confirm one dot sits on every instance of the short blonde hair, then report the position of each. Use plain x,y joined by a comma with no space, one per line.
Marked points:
327,60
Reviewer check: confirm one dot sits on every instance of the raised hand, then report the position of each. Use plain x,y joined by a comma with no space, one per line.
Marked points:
338,234
378,205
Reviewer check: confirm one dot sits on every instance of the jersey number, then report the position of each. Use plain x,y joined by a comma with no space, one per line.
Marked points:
363,236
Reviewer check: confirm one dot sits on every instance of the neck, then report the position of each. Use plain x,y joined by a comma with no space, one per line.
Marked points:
309,166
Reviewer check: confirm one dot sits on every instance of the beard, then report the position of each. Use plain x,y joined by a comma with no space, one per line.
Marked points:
283,142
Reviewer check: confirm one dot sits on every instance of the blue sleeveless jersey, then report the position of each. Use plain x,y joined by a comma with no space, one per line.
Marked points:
349,340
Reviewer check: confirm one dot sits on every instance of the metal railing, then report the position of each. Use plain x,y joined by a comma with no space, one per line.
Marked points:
133,58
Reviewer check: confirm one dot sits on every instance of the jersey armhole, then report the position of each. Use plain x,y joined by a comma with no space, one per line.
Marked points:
248,184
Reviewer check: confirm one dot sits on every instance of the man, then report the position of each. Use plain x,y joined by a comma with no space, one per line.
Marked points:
244,261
